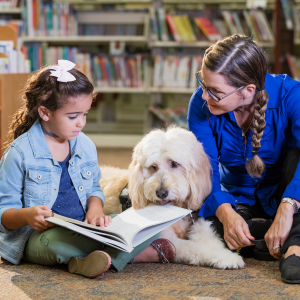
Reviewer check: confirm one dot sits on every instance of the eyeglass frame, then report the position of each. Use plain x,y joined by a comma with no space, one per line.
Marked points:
213,96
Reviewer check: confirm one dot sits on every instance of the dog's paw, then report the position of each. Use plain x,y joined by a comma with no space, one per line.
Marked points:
230,260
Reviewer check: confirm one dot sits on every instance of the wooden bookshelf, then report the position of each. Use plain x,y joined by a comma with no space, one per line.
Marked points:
11,86
124,90
11,10
85,39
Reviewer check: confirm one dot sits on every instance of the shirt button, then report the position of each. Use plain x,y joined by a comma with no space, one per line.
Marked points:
80,188
39,176
72,163
88,173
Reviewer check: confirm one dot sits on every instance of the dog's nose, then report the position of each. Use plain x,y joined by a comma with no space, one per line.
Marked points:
162,193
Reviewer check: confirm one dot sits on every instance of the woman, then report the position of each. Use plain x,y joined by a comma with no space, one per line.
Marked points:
248,122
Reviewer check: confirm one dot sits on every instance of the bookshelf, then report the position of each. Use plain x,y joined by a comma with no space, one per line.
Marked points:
149,94
10,10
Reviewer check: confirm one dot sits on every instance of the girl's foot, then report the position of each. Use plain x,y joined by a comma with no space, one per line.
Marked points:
161,250
92,265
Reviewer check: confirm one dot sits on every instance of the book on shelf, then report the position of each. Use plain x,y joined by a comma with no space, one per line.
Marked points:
293,62
153,25
170,116
162,26
44,18
208,29
128,229
176,71
12,60
287,13
6,4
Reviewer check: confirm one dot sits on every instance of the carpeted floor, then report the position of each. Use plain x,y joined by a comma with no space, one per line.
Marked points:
258,280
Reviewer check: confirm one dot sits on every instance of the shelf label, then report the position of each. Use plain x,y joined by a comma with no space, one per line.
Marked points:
257,3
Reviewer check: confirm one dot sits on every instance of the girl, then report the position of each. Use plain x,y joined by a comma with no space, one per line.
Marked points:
249,123
52,167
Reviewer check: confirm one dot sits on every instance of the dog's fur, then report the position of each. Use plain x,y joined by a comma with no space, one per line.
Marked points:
171,166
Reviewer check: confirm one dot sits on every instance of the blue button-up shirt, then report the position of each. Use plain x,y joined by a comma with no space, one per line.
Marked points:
30,176
223,142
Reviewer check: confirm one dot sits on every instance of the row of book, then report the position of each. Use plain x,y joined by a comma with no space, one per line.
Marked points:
184,27
106,71
5,4
12,60
176,71
44,18
177,115
291,15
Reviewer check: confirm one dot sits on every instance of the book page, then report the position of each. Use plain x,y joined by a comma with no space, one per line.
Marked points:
108,241
131,221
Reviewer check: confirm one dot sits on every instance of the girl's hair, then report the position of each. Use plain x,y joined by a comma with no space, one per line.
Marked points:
241,62
43,89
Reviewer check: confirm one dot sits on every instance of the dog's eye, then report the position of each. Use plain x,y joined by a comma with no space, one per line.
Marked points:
154,167
174,165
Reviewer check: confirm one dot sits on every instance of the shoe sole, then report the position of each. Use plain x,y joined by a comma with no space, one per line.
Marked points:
290,281
93,265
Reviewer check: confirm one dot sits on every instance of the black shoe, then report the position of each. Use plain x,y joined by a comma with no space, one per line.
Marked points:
290,269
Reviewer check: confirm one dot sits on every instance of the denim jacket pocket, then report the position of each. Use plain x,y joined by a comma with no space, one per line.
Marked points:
37,183
87,175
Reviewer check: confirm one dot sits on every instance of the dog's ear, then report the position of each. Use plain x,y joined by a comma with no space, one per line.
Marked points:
136,186
199,177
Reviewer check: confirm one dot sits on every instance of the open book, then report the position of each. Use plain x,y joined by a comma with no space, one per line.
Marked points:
128,229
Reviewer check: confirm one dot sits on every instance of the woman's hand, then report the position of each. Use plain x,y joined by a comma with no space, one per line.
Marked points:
280,229
95,215
236,230
35,217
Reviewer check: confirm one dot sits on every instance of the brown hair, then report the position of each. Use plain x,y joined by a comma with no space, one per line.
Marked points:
242,62
41,89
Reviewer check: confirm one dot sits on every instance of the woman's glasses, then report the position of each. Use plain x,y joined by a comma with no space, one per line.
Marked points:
211,94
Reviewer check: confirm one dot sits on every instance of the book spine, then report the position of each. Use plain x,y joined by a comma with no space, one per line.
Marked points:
173,28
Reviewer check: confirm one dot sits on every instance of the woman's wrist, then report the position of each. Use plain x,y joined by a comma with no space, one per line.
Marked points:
224,211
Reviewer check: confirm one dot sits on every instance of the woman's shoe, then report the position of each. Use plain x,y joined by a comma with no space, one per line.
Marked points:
290,268
165,249
92,265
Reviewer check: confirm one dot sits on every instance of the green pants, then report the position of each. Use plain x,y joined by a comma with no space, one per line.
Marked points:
57,245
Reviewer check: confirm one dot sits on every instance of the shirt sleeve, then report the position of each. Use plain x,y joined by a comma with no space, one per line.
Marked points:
198,122
96,191
11,178
292,106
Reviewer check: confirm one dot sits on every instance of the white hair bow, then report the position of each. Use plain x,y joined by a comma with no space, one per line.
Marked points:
61,71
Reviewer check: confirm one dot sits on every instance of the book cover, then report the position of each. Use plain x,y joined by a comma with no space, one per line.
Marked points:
173,28
208,29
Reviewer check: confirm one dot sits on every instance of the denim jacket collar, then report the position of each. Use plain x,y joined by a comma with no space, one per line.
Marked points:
39,145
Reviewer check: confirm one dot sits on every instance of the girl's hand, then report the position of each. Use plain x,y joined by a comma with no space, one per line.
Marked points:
35,217
280,229
236,230
97,217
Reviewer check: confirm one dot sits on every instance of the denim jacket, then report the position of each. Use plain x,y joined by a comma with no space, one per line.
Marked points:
30,176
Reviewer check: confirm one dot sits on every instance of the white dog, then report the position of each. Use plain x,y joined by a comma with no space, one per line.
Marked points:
171,166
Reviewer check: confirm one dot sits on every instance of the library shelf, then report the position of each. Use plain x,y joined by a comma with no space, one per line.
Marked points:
199,44
101,1
10,10
161,44
102,140
169,90
120,90
297,41
85,39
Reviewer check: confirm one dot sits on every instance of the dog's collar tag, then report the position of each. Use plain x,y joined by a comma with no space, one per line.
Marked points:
191,215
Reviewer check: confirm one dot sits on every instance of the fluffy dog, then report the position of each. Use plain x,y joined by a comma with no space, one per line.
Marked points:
171,166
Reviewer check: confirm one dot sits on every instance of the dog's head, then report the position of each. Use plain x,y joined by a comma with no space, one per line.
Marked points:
169,166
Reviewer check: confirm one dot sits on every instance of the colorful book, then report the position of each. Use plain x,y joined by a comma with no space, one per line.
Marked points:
208,29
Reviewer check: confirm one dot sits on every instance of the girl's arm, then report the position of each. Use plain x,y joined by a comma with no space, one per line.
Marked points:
13,215
33,216
95,215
